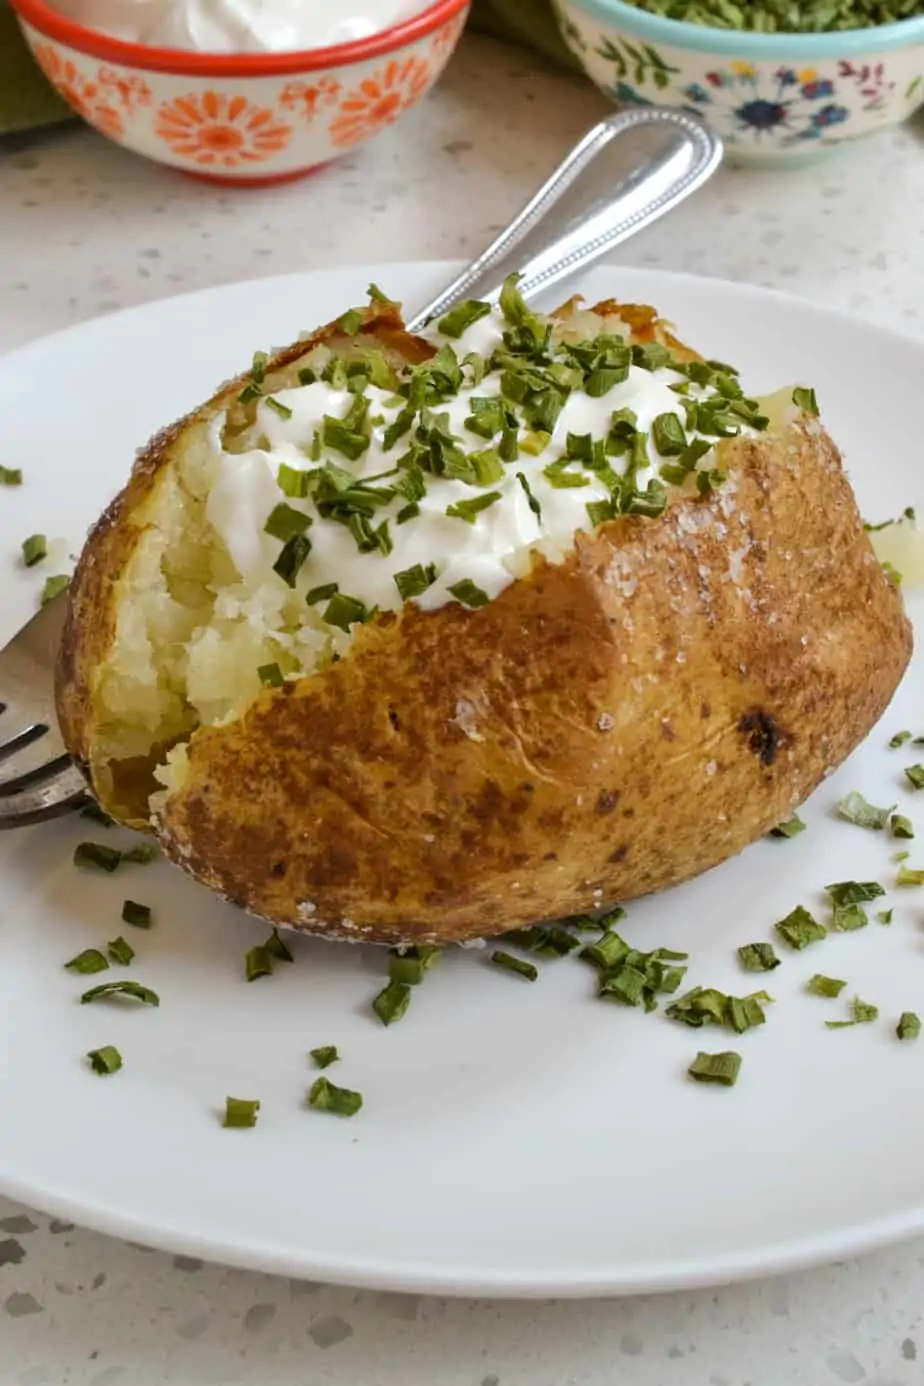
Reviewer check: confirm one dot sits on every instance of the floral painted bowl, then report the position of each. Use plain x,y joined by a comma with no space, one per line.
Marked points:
773,98
251,118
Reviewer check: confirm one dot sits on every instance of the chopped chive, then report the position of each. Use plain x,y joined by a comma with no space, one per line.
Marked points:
407,512
86,963
791,828
347,441
391,1003
344,611
376,295
716,1068
914,774
901,826
799,929
292,481
909,1026
93,811
852,892
469,593
900,856
534,505
278,407
258,963
34,549
284,522
97,855
325,1096
141,855
10,476
324,1055
270,675
820,985
469,510
668,434
861,1013
138,915
848,918
804,398
241,1112
455,322
709,1006
609,950
909,876
293,555
758,957
520,966
322,593
277,948
258,367
108,1059
411,966
351,321
411,582
134,990
885,916
53,587
120,951
855,809
899,739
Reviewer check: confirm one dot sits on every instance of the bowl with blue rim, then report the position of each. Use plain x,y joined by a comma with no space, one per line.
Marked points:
774,97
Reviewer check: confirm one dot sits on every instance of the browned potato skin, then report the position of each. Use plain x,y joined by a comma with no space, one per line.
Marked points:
606,727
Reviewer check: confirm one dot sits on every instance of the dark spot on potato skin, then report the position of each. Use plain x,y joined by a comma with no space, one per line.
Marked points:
619,855
667,731
551,820
550,856
394,719
764,735
278,870
705,711
607,801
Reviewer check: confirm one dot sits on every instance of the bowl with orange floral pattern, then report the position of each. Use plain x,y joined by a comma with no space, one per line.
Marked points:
773,97
243,118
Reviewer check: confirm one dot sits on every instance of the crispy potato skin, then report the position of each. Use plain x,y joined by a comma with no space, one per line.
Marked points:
606,727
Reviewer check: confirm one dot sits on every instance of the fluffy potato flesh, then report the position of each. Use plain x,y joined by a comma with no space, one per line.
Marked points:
628,712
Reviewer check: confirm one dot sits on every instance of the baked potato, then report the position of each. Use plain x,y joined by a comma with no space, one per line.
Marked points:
354,709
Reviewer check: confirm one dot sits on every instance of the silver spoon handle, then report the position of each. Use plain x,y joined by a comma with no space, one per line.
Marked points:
687,157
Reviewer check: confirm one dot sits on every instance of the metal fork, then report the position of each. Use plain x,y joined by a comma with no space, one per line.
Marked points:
45,783
37,777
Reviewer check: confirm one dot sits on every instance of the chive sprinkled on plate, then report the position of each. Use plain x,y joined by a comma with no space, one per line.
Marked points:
899,739
136,914
799,928
93,811
909,876
855,809
325,1096
10,476
411,965
133,990
791,828
258,962
277,948
324,1055
107,1059
884,916
852,892
120,951
709,1006
53,587
861,1013
241,1112
142,854
909,1026
86,963
34,549
758,957
392,1002
97,856
820,985
716,1068
901,826
914,774
520,966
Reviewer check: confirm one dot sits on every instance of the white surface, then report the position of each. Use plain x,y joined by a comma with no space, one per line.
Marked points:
87,228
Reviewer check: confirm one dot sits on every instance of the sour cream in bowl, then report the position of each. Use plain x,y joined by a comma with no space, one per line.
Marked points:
242,91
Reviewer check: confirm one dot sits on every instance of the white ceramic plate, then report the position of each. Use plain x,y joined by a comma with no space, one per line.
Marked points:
515,1139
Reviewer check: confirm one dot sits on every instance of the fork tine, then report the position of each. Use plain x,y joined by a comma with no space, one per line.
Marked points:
16,783
20,740
66,792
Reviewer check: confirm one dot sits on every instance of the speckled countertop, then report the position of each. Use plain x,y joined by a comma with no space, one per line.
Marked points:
86,228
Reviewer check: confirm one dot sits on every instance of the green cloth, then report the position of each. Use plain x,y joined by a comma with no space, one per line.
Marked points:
28,101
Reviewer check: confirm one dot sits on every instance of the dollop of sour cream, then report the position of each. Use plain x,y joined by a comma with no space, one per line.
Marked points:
239,26
529,513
